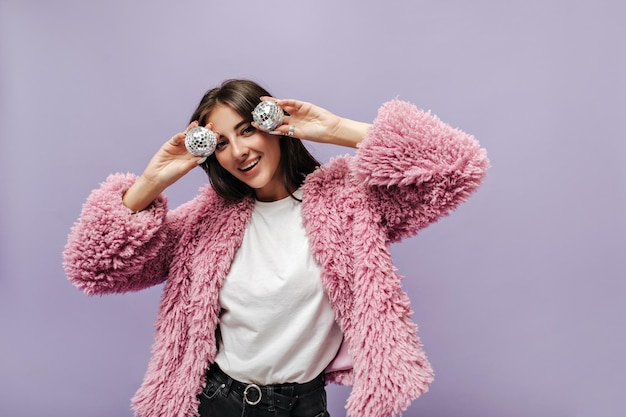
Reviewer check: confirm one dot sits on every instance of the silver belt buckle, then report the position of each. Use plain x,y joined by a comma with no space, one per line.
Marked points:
245,394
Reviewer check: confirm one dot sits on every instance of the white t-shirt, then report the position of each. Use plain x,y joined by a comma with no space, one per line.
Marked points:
277,324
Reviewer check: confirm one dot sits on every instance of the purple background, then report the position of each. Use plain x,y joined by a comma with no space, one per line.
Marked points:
519,295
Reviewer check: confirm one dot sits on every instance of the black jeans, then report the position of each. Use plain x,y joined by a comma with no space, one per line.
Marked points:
226,397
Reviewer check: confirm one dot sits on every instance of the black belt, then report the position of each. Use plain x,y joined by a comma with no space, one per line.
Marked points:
280,395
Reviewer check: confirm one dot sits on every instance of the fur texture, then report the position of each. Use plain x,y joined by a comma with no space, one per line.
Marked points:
409,171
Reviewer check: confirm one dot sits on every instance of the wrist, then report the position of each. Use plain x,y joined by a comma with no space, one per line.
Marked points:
349,133
141,194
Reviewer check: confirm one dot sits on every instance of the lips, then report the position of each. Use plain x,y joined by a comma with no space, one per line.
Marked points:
250,165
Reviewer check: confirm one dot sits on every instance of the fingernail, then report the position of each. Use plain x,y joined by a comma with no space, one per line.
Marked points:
275,132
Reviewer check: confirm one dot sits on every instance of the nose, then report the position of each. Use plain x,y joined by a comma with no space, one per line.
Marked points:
238,148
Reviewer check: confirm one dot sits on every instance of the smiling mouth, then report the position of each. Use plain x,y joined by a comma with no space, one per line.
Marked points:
250,165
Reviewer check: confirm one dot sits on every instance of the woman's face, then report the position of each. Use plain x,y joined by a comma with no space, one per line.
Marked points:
250,155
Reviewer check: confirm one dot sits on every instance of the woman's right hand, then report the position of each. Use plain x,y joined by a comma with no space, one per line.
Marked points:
171,162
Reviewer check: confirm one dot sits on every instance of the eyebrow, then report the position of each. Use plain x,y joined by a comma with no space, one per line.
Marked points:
241,123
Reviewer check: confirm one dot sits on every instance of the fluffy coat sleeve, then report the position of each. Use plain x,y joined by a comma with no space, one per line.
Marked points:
424,167
112,250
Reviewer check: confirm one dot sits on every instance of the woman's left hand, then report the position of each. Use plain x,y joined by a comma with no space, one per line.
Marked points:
310,122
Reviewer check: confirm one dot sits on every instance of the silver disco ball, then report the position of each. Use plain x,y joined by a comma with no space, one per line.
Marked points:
200,141
268,116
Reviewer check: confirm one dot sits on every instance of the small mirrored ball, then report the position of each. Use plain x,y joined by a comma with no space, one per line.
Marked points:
268,115
200,141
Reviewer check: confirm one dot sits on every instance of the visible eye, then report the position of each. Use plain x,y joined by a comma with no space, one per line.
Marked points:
220,145
248,130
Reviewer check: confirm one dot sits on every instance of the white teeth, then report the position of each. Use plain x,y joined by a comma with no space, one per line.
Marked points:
250,165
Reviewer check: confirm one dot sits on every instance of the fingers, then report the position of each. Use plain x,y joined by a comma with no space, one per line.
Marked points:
288,105
285,130
278,131
268,98
179,138
191,126
293,118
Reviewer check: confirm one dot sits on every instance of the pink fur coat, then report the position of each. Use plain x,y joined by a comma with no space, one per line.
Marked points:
408,172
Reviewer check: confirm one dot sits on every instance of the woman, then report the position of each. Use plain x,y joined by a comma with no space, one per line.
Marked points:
278,276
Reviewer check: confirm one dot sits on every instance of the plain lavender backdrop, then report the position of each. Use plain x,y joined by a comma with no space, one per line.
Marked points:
519,295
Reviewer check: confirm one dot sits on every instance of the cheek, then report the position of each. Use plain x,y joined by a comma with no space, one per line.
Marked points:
220,158
274,147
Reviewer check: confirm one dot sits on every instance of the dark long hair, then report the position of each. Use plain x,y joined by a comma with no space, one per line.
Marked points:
242,96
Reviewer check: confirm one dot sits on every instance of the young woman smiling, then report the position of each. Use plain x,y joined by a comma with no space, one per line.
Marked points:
278,276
